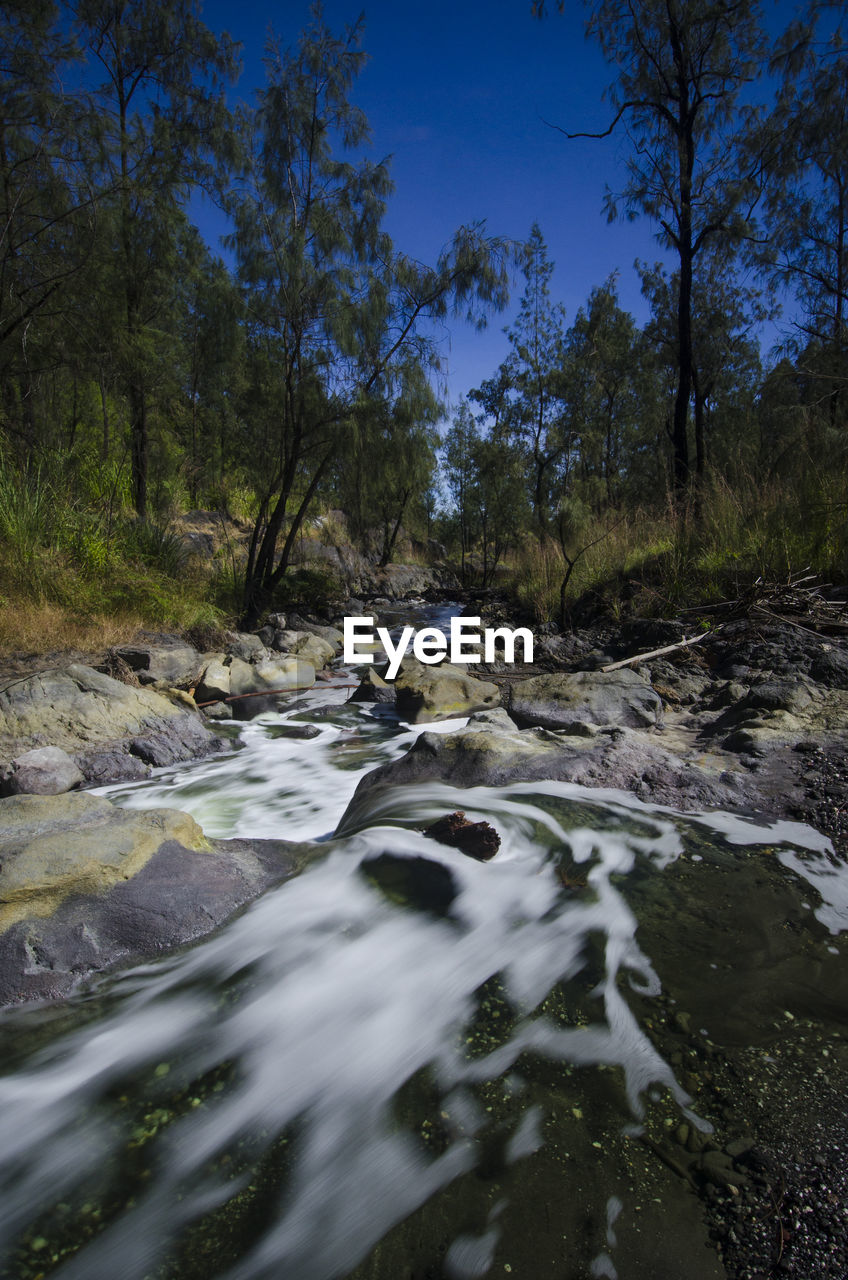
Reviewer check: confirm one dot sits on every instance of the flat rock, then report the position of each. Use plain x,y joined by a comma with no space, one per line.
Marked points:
562,700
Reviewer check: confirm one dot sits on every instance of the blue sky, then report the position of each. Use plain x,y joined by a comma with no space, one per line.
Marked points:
457,93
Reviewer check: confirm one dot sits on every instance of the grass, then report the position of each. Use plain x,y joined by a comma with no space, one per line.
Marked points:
653,563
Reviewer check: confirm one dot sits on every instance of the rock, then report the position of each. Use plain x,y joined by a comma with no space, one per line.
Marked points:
476,839
399,581
285,638
373,688
114,764
717,1168
241,644
85,885
171,664
218,711
331,635
214,682
283,674
93,718
314,649
45,771
561,701
225,678
426,693
496,754
243,677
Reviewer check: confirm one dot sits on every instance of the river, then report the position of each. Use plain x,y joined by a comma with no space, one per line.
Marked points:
405,1063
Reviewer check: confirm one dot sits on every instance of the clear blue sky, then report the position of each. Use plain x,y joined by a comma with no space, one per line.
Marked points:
457,92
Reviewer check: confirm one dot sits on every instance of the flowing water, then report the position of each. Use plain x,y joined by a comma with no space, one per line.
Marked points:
405,1063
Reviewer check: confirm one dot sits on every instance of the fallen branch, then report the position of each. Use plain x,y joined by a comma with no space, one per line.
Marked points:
657,653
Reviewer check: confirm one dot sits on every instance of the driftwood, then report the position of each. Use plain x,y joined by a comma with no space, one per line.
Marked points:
657,653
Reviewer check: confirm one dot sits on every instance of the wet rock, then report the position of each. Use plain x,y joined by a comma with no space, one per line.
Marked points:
562,701
44,771
218,711
373,688
493,755
478,840
85,885
426,693
420,882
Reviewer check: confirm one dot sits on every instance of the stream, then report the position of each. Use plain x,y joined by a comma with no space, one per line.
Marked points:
405,1063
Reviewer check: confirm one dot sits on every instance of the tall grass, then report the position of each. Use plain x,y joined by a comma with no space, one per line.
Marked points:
655,562
75,564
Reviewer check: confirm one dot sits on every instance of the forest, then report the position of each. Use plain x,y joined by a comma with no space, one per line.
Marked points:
292,384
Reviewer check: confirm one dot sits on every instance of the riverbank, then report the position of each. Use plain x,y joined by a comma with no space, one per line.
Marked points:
665,948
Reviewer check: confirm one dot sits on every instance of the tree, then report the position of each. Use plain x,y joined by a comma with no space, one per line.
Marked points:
163,132
604,377
47,218
523,401
806,248
341,310
726,367
459,464
682,66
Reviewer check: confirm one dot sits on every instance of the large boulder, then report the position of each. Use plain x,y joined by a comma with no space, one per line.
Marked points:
492,752
99,721
564,701
426,693
85,885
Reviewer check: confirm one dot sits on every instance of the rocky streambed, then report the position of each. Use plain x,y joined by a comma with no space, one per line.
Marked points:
617,1048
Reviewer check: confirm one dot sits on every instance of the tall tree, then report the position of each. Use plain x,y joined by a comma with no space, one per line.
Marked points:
524,400
682,65
46,208
726,366
163,131
807,244
341,309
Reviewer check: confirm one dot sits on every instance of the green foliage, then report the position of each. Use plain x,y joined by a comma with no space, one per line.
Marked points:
157,546
27,512
308,588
